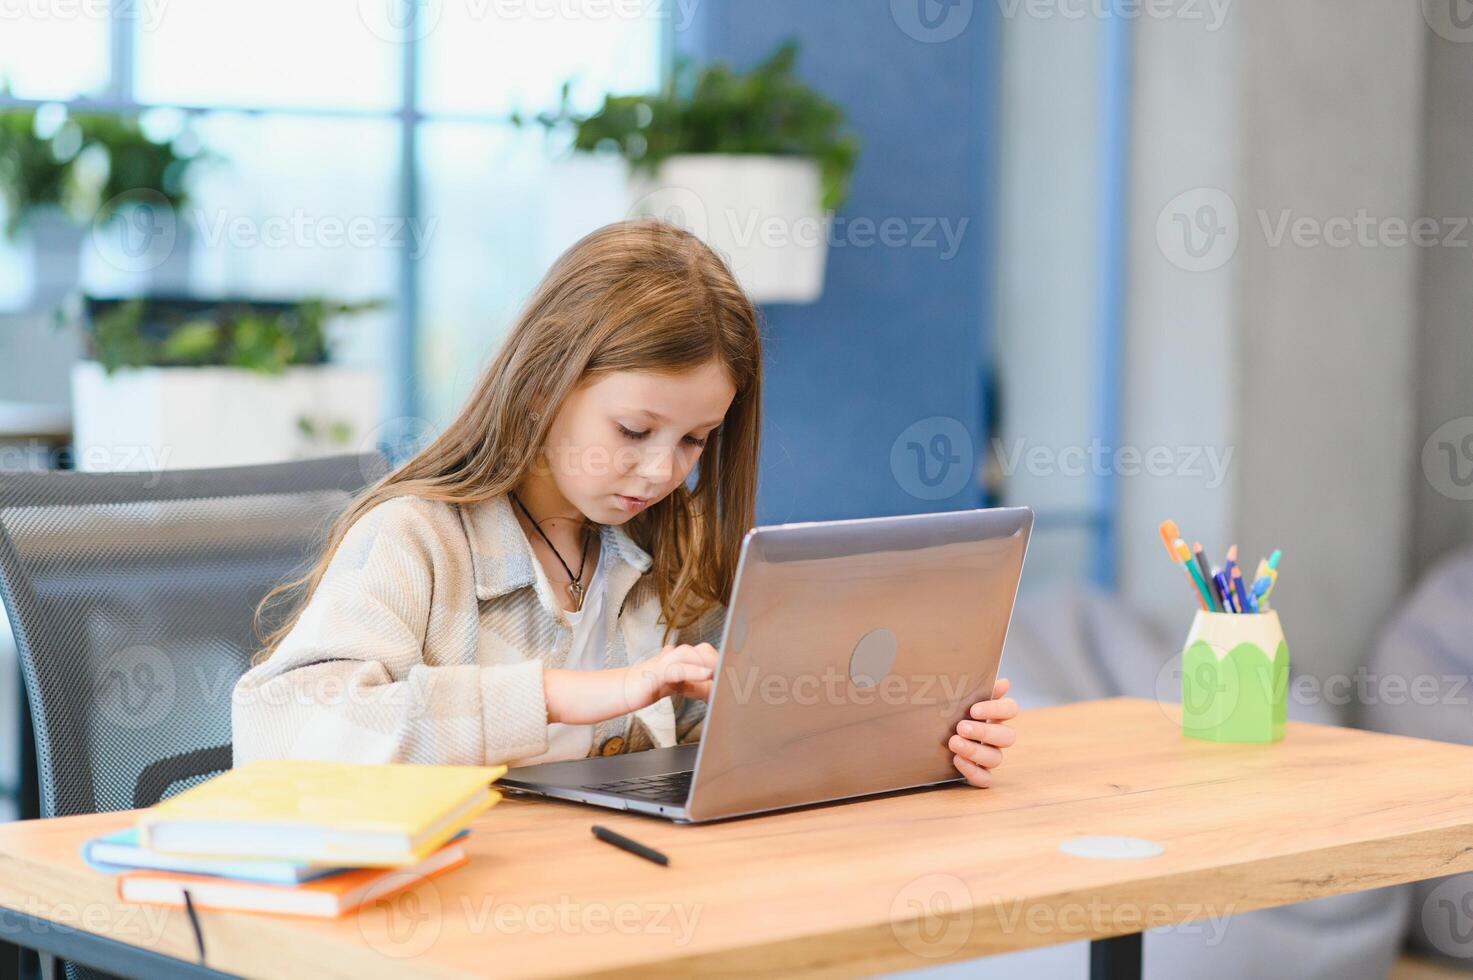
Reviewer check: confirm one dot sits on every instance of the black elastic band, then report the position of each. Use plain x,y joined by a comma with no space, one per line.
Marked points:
199,937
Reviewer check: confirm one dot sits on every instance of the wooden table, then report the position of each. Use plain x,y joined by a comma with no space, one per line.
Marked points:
891,883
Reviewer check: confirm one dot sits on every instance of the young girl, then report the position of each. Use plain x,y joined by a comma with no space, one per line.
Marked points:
509,595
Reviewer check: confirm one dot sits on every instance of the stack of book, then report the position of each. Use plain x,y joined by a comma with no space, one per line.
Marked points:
298,837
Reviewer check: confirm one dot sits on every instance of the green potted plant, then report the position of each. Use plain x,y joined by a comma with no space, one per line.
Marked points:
61,172
187,382
753,162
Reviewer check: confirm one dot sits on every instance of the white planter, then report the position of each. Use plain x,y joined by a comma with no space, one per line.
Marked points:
761,213
179,418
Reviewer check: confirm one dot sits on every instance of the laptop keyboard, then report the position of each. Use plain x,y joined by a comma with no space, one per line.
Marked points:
665,787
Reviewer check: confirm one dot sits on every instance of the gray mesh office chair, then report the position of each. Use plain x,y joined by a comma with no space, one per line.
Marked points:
131,597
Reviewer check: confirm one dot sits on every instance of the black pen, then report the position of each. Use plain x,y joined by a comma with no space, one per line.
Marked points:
633,847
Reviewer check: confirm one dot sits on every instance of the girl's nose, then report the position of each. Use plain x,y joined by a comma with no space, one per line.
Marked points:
656,464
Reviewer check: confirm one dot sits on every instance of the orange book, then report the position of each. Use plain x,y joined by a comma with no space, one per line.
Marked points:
327,897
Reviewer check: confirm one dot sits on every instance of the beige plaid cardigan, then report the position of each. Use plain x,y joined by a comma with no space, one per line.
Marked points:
426,641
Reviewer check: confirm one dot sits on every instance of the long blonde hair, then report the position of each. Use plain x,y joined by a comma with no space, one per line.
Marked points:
636,295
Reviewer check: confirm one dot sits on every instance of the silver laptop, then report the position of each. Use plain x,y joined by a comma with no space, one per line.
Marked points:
851,650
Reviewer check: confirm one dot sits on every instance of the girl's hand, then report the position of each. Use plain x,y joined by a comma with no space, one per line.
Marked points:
686,670
980,738
587,697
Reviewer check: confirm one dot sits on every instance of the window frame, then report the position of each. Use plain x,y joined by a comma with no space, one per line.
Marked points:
401,365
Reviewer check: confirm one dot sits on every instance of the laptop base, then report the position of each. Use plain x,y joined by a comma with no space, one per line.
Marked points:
582,780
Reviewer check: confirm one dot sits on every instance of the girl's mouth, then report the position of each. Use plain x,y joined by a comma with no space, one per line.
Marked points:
631,503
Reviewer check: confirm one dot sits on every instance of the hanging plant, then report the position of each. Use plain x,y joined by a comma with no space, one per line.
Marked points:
83,163
767,111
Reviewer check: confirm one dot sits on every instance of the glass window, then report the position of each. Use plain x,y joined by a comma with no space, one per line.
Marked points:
498,213
303,194
54,51
269,53
299,208
496,56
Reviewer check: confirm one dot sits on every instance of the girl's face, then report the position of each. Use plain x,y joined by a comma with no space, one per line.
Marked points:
624,441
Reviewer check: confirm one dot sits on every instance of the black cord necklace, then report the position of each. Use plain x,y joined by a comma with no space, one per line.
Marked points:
575,583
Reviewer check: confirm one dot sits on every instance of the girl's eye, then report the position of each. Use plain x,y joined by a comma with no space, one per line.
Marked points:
629,434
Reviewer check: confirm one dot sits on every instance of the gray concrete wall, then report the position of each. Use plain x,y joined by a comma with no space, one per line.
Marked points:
1311,109
1328,335
1443,517
1182,313
1047,267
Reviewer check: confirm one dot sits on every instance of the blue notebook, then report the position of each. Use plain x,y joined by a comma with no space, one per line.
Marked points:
119,851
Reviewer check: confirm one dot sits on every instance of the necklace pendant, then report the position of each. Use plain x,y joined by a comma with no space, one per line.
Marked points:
575,589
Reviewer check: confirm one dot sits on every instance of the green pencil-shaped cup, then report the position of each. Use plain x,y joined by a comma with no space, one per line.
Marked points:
1235,678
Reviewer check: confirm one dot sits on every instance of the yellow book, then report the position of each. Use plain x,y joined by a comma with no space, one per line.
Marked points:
338,813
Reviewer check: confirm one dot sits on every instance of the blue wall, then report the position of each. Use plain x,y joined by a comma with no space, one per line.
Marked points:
900,335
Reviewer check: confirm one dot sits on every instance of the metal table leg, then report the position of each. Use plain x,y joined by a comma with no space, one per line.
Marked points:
1117,958
63,942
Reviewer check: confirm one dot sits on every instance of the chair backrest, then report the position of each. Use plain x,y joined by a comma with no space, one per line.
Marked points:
131,597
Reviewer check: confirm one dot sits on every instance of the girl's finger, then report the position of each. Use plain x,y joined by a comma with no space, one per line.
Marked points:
983,755
674,675
975,774
700,690
1000,687
704,654
989,734
1000,710
687,673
